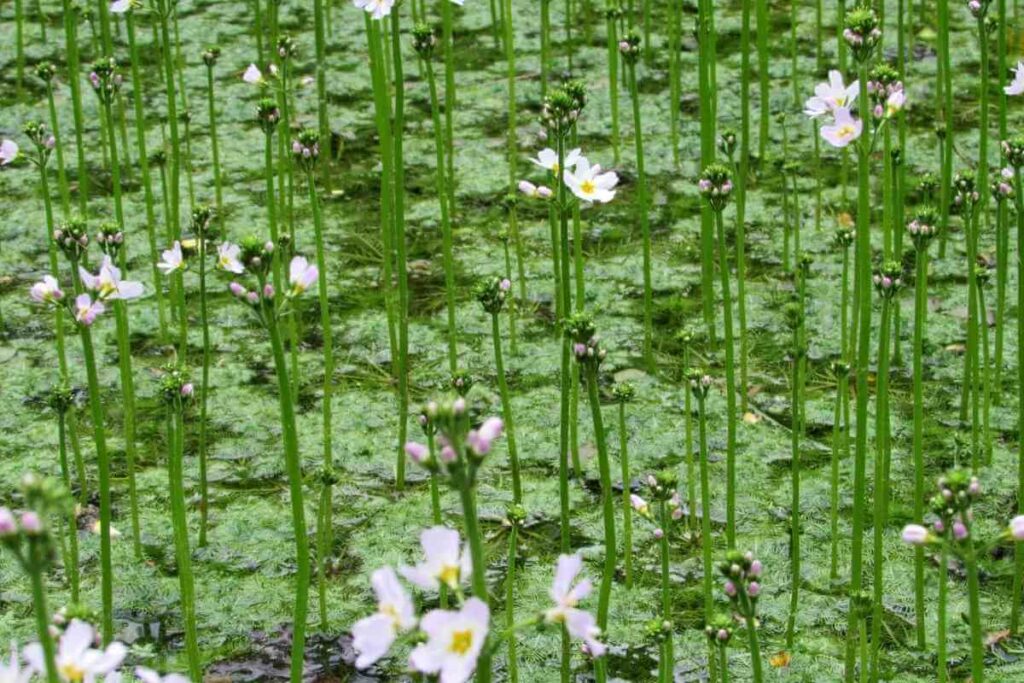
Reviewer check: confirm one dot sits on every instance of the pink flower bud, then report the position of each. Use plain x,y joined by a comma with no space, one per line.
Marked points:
756,568
416,451
939,526
187,390
491,428
268,291
959,530
448,454
31,523
730,589
7,524
723,635
544,192
252,297
915,534
459,406
753,589
1017,528
658,534
505,285
237,289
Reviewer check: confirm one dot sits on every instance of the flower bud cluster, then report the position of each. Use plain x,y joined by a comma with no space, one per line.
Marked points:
72,238
700,383
965,193
1013,150
582,333
715,185
461,382
719,630
110,237
306,148
861,32
39,134
923,227
727,142
461,445
1002,184
624,392
978,8
742,573
889,280
210,55
105,79
42,499
885,89
629,47
268,115
492,292
423,40
562,108
285,47
844,237
201,220
175,386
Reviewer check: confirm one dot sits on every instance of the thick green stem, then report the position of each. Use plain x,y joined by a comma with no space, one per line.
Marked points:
940,631
510,586
881,482
474,538
763,29
730,385
641,210
42,612
666,587
974,600
293,465
182,551
920,320
1018,555
613,74
706,541
796,430
204,395
65,471
71,48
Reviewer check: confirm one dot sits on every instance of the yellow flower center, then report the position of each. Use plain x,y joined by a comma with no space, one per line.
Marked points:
71,672
587,187
846,131
449,575
461,642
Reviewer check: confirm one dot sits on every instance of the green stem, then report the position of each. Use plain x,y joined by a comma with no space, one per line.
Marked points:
476,552
742,173
215,145
881,481
706,540
862,366
607,503
62,178
675,75
183,554
974,600
691,476
449,99
940,631
707,156
510,585
293,464
506,409
613,75
645,226
796,429
446,224
920,320
204,393
763,29
946,73
666,587
627,507
1018,553
730,385
65,471
42,612
147,184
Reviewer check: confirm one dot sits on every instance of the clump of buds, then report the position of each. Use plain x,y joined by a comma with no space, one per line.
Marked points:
861,32
715,185
175,386
306,148
965,193
742,573
201,220
727,142
719,630
844,237
285,47
582,333
1002,184
268,115
46,71
700,383
928,185
26,533
462,382
535,191
462,446
560,111
423,40
889,280
624,392
923,227
105,79
110,237
491,293
1013,150
885,90
629,47
39,134
978,8
210,55
72,238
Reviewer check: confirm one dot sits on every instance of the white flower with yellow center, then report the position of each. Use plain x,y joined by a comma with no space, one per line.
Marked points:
77,660
373,636
548,158
454,641
443,563
590,184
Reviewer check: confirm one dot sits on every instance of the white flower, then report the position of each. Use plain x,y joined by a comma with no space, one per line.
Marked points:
442,561
301,275
894,104
831,96
844,130
46,291
454,641
77,660
1017,86
253,75
8,151
589,184
548,158
372,636
120,6
227,258
11,672
173,259
566,596
108,283
378,8
149,676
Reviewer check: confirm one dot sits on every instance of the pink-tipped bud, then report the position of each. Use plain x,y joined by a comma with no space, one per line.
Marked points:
505,285
915,534
448,454
723,635
237,289
544,192
187,390
252,297
491,428
268,291
730,589
677,514
459,406
756,568
31,523
959,530
416,451
753,589
7,523
659,534
1017,528
939,526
